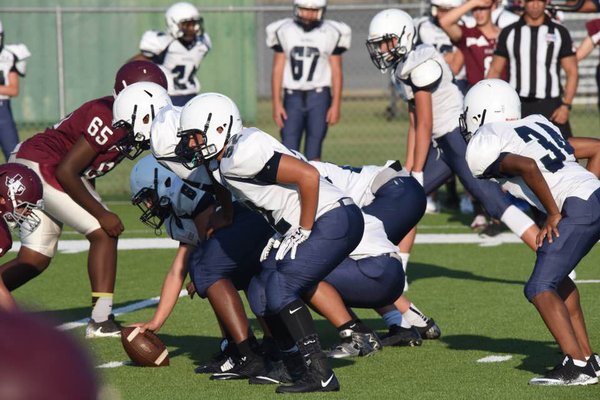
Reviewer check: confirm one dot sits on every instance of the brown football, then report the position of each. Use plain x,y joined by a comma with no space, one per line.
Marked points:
144,349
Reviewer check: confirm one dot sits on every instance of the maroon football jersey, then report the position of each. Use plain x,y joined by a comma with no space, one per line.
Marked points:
93,121
478,52
593,30
5,238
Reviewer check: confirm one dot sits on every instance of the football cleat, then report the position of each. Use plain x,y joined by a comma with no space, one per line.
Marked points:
595,361
108,328
221,361
479,223
355,344
319,377
568,374
243,368
431,331
433,206
399,336
276,373
492,229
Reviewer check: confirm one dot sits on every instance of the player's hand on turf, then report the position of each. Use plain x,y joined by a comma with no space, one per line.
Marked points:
279,115
191,289
291,242
549,229
111,223
273,243
144,326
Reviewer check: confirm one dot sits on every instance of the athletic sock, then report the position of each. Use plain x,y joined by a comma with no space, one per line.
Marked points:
415,317
579,363
102,306
404,257
393,317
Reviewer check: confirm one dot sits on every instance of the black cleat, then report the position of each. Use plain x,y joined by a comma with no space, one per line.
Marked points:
220,361
568,374
276,373
399,336
243,368
430,331
595,361
319,377
108,328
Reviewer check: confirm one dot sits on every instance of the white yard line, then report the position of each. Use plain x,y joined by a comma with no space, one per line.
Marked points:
119,311
494,359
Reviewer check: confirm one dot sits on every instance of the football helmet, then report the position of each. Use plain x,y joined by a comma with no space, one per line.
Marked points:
391,37
213,116
307,24
139,71
489,100
182,12
134,110
150,183
21,192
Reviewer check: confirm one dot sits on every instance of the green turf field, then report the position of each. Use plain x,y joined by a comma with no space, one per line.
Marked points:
473,292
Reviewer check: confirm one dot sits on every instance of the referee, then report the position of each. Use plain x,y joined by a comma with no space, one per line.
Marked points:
535,47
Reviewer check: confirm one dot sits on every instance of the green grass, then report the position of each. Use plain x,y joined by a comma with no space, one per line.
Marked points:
473,292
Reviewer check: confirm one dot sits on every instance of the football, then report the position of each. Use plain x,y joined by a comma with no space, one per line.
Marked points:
145,349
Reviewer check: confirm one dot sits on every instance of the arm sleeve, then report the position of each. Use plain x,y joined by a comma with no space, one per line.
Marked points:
153,43
593,30
269,173
20,53
426,76
344,39
272,37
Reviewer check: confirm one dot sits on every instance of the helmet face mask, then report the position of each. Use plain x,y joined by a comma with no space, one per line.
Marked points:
489,100
206,125
150,185
21,192
391,38
183,19
134,110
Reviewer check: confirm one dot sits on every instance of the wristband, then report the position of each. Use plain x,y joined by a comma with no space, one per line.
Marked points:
569,106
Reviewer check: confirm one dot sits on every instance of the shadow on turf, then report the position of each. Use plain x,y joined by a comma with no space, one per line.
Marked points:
424,271
538,354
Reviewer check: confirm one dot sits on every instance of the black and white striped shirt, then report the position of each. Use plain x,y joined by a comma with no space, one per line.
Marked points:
534,54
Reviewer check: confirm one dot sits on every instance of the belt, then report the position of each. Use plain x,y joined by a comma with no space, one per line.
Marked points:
316,90
396,256
344,201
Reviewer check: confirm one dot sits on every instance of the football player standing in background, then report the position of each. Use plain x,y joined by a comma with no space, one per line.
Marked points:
179,51
67,158
307,67
12,65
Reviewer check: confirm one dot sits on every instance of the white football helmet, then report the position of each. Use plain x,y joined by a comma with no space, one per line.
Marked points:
391,37
489,100
213,116
182,12
134,109
150,190
308,24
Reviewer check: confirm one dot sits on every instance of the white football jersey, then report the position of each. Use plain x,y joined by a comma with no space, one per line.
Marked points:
354,182
12,58
307,53
447,100
179,63
164,139
246,155
429,32
185,201
537,138
374,241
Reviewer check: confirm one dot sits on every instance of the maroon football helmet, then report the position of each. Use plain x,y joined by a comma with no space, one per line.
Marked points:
139,71
21,192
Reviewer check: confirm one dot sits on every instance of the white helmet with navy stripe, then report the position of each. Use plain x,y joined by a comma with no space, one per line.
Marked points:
179,13
489,100
391,37
215,117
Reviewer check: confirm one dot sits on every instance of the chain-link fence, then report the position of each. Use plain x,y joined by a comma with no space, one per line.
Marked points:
76,51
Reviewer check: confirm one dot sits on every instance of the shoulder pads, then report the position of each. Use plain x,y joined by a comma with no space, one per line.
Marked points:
154,42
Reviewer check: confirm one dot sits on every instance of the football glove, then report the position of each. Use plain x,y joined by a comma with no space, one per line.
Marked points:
273,243
291,242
